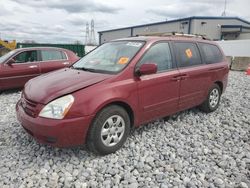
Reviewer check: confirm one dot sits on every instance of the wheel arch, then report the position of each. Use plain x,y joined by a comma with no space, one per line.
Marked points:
124,105
220,84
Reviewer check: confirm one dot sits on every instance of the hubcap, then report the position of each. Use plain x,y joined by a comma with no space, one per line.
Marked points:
112,130
214,97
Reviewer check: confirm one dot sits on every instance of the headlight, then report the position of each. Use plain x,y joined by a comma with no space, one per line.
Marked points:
58,108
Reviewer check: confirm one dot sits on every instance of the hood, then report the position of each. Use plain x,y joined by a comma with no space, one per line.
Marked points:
47,87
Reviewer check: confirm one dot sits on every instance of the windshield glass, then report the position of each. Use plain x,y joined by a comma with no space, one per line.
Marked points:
6,56
111,57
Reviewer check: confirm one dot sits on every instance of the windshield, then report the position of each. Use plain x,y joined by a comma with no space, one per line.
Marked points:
7,56
111,57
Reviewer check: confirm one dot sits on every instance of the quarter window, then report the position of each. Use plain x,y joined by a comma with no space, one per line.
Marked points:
159,54
48,55
187,54
211,53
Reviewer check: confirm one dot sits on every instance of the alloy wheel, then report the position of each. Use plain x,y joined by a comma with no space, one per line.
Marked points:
112,130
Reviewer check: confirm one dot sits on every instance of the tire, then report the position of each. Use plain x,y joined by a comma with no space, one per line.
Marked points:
213,99
109,130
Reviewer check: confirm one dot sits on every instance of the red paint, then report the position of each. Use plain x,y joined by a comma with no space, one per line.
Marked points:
67,131
149,68
248,71
149,96
61,82
15,75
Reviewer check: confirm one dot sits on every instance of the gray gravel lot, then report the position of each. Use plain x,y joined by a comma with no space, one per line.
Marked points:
193,149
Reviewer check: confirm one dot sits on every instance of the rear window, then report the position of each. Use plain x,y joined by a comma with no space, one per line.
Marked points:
187,54
211,53
48,55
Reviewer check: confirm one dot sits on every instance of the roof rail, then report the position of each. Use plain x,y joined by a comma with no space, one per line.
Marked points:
176,34
204,37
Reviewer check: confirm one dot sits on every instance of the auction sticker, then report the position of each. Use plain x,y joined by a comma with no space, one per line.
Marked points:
123,60
189,53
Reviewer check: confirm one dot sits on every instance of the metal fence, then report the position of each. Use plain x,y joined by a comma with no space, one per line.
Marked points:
235,48
79,49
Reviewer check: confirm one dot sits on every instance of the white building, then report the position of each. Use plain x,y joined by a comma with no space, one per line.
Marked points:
215,28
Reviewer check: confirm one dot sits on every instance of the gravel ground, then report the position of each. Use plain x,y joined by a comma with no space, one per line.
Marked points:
193,149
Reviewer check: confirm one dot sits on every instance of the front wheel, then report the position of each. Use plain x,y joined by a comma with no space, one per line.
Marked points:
109,130
213,99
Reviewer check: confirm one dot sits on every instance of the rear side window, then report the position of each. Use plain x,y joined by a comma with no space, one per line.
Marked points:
159,54
211,53
48,55
187,54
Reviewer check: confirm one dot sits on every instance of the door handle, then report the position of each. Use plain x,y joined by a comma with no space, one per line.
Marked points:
65,63
183,77
179,77
176,78
217,68
33,66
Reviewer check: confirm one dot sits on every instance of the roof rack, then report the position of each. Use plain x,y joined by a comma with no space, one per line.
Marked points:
176,34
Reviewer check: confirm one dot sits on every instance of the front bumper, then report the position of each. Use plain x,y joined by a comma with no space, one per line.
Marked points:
58,133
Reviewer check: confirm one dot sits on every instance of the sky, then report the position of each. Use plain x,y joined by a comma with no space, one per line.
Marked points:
64,21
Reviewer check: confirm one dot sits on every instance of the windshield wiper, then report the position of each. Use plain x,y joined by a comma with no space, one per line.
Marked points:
85,69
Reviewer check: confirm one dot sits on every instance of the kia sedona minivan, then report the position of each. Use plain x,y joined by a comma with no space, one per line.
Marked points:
120,85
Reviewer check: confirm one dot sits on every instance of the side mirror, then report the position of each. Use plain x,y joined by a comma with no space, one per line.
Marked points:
147,68
11,61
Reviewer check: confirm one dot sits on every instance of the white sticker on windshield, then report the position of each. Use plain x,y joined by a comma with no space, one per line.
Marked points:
135,44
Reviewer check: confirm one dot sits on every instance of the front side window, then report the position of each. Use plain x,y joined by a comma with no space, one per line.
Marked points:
27,56
187,54
211,53
48,55
110,57
160,55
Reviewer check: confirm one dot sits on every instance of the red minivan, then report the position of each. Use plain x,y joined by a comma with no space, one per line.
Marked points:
120,85
20,65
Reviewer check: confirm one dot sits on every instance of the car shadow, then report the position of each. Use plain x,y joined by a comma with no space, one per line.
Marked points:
10,91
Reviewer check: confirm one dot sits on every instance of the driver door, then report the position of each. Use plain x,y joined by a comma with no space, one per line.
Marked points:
16,74
158,93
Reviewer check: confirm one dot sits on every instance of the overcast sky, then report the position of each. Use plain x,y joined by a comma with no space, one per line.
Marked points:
64,21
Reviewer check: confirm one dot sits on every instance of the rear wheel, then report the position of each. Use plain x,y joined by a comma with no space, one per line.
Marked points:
109,130
213,99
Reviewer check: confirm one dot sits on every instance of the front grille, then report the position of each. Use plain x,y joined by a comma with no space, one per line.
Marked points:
29,107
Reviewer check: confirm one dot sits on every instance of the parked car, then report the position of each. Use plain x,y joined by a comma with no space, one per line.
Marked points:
120,85
20,65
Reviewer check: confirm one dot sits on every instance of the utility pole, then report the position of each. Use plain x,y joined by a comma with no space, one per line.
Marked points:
92,33
87,34
225,7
